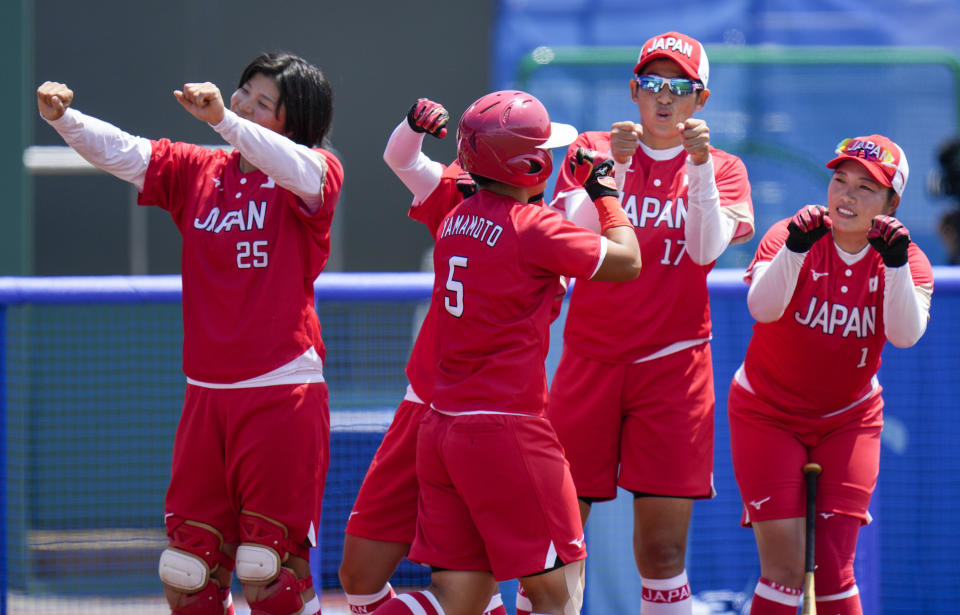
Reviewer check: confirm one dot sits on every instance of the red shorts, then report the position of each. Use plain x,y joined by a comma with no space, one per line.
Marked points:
647,427
495,494
386,506
263,449
770,446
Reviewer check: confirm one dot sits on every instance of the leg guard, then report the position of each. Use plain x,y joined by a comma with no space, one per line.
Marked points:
264,549
283,596
211,600
194,553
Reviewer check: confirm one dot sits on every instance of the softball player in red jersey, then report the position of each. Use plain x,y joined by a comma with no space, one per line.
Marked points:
632,399
485,450
254,434
383,521
828,287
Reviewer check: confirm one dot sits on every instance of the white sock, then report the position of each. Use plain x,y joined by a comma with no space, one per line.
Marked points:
667,596
367,603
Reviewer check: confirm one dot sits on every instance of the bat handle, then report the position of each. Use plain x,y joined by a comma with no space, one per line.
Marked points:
810,473
809,596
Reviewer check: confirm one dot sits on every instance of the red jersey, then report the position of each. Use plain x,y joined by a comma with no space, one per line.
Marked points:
836,309
421,368
497,264
668,302
250,256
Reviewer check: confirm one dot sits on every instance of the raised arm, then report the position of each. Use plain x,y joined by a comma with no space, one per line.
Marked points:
293,166
403,154
707,230
101,144
774,282
906,305
621,258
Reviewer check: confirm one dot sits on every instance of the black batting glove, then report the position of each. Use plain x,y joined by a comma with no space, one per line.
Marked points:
466,185
806,227
891,239
595,172
428,116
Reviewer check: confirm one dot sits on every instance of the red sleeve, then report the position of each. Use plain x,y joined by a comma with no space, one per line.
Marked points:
553,244
734,188
771,243
432,210
920,269
595,140
332,183
171,174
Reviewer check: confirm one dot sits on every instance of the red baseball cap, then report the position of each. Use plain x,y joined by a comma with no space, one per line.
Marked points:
682,49
881,157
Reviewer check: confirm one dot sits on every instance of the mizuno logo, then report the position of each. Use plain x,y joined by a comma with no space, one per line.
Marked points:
817,275
826,515
758,503
578,542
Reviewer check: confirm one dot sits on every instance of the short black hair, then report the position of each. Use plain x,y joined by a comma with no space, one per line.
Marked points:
304,92
481,181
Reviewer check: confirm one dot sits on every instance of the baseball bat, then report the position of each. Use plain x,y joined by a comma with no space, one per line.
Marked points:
810,472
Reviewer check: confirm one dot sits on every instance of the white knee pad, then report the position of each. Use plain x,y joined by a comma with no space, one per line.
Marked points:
183,571
573,575
257,564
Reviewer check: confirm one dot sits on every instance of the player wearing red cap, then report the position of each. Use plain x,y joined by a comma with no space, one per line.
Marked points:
485,451
383,521
632,399
828,287
251,449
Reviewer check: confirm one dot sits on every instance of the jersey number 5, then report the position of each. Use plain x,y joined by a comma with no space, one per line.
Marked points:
455,307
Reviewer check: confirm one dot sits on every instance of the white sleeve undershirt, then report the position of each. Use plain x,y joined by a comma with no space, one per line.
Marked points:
707,230
772,284
291,165
906,307
105,146
416,170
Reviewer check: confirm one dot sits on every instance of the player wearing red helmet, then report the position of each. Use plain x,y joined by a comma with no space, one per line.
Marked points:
828,287
383,521
485,450
632,399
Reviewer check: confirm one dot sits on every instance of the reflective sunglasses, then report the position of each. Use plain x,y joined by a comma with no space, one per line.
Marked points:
681,86
868,150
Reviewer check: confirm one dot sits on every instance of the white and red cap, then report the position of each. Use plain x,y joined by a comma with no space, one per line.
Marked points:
682,49
881,157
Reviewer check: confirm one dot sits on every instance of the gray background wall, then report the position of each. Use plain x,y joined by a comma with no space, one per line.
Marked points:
123,59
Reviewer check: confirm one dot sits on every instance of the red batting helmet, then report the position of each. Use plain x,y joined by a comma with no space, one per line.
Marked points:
506,136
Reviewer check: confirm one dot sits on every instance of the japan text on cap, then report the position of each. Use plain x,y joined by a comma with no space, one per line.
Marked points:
682,49
883,159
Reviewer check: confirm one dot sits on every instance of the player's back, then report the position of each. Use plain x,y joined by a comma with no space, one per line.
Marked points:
497,264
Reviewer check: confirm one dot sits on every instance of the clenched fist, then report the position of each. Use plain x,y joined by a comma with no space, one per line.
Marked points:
891,239
806,227
53,99
202,100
